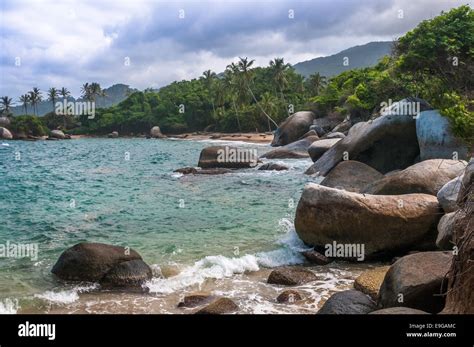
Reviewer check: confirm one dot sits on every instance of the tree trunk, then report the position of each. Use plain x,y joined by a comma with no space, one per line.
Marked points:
460,295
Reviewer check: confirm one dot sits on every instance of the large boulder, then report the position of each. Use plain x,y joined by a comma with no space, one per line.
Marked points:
369,281
155,132
427,177
448,194
98,262
291,276
334,135
381,223
5,134
348,302
293,128
57,134
386,143
436,138
351,175
227,157
113,135
460,298
297,149
417,281
318,148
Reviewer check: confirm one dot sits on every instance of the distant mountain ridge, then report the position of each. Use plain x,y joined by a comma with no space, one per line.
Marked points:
114,95
358,57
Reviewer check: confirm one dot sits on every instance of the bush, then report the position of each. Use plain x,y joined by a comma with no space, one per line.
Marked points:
30,125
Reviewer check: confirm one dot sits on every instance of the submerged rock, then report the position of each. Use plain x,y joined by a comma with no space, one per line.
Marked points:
196,299
315,257
381,223
417,281
220,306
289,296
273,167
291,276
426,177
293,128
198,171
351,175
348,302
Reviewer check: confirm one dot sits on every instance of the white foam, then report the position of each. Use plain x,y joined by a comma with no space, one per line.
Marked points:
5,144
9,306
219,266
65,296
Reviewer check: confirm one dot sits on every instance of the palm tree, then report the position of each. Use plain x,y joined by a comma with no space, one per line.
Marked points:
278,70
35,98
25,100
269,103
86,91
91,91
315,83
6,104
209,77
53,94
231,81
64,92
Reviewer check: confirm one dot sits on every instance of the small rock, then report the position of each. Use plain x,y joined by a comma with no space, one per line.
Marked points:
289,296
291,276
369,281
273,166
58,134
196,299
113,135
446,227
334,135
5,134
448,194
220,306
315,257
348,302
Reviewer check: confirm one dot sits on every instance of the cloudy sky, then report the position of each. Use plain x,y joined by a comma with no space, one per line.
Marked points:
149,43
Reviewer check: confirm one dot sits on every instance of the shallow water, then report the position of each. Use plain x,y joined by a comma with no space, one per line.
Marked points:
222,232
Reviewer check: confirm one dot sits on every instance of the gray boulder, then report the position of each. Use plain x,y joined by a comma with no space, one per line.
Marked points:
436,138
293,128
334,135
297,149
5,134
273,167
446,227
448,194
318,148
398,310
386,144
58,134
348,302
155,132
417,281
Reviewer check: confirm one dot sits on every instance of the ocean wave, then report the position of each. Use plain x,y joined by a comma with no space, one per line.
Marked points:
65,296
219,266
9,306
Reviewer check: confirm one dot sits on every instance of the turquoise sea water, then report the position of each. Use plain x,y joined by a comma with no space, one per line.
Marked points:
124,192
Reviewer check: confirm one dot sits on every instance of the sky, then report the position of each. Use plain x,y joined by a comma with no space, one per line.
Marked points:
150,43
